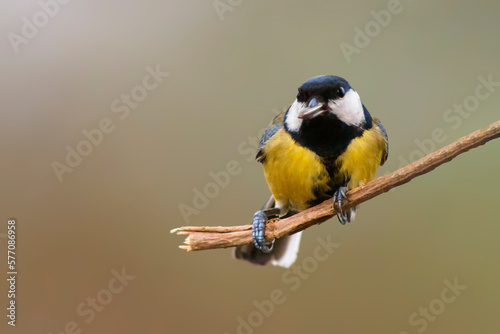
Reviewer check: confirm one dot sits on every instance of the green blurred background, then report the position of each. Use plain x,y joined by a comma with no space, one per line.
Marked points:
115,209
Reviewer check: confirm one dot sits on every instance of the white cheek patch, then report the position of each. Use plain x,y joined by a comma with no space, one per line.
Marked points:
293,122
349,109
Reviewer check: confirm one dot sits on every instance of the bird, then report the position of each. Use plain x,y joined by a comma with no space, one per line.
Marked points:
323,145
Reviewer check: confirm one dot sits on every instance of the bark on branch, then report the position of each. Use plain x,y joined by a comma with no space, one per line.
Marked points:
212,237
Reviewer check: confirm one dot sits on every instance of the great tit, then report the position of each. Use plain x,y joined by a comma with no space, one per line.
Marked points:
323,145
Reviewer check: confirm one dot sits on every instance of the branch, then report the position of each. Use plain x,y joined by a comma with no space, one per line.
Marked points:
212,237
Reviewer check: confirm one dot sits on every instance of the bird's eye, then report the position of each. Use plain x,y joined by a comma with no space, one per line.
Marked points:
341,92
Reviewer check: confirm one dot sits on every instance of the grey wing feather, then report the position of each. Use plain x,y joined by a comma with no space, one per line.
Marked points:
386,153
271,130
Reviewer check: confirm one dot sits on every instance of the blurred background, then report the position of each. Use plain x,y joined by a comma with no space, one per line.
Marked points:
170,92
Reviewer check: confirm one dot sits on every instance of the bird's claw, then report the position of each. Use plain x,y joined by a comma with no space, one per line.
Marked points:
338,197
258,232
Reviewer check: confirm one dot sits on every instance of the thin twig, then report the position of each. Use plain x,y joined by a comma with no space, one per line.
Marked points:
207,237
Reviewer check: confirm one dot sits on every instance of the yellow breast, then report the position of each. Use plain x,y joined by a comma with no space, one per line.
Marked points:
293,172
362,157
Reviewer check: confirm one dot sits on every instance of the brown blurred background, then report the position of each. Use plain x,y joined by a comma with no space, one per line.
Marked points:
116,208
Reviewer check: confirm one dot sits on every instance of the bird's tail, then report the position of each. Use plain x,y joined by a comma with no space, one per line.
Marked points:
284,252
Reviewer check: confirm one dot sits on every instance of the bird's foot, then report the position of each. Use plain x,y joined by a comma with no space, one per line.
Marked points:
343,216
258,229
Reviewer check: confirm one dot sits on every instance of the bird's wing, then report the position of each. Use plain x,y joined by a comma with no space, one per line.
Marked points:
275,126
386,138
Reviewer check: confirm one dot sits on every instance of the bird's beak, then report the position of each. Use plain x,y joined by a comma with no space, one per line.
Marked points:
314,108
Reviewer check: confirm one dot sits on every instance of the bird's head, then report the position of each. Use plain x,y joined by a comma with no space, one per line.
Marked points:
326,98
